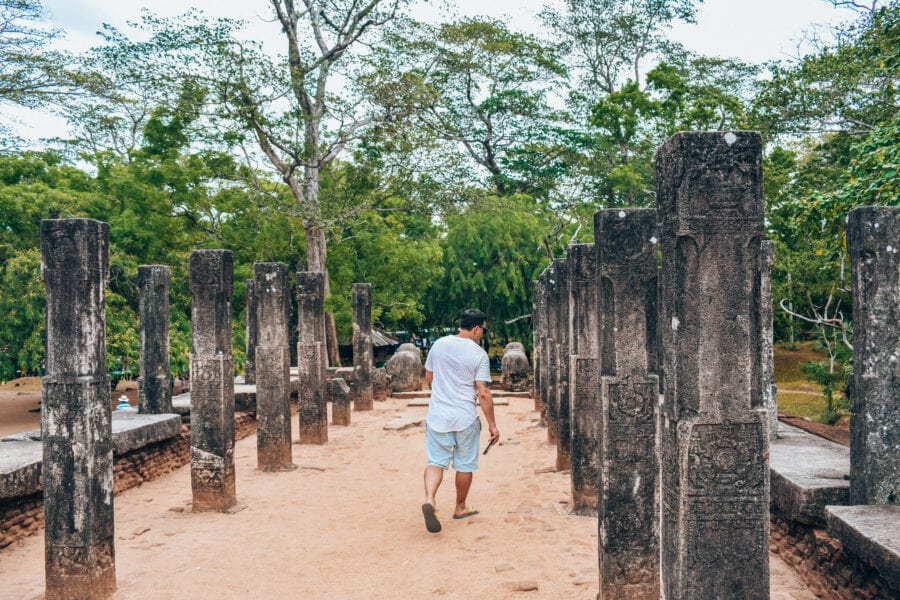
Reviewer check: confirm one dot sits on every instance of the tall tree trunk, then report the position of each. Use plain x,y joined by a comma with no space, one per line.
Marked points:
316,247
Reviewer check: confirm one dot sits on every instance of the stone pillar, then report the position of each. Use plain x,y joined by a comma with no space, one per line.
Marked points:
585,435
584,386
311,307
873,238
77,474
546,337
311,357
273,367
767,335
252,333
553,326
212,382
313,406
340,402
537,340
715,473
629,457
362,346
562,404
154,390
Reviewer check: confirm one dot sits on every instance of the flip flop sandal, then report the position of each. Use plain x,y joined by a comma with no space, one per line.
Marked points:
431,521
471,512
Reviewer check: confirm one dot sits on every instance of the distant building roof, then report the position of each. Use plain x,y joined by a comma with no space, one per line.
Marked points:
379,339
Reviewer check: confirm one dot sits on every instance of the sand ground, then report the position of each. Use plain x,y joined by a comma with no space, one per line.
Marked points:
347,524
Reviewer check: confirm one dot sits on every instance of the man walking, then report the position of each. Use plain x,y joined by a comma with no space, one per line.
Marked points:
458,372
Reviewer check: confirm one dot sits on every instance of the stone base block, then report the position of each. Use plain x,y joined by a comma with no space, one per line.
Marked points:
872,533
80,573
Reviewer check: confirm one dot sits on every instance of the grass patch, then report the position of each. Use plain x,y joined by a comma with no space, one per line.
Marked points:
809,406
797,395
787,364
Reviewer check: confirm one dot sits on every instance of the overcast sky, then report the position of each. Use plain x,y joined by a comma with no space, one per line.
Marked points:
753,30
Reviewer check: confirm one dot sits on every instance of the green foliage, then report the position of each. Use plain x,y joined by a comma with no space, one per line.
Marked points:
31,74
22,307
491,256
480,89
821,373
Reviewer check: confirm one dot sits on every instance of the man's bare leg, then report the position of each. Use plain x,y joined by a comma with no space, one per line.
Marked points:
433,477
463,483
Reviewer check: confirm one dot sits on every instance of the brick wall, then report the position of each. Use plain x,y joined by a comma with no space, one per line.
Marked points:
830,571
21,517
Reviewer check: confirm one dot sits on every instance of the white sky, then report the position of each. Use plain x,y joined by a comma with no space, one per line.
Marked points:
753,30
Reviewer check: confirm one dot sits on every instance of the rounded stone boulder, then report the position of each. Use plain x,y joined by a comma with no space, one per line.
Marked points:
514,368
405,369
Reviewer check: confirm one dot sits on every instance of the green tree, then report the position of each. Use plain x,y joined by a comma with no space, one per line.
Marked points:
31,74
481,90
491,256
285,106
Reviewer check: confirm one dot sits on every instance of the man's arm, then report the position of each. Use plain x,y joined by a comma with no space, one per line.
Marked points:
429,377
487,407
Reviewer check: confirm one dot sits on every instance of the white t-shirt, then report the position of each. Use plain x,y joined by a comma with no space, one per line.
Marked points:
457,363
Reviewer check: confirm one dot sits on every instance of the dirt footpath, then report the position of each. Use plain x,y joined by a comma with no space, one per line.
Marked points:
347,524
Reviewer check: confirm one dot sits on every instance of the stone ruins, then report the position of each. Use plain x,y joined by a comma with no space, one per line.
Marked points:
272,294
405,369
514,368
873,238
652,373
312,358
362,346
75,417
154,390
212,382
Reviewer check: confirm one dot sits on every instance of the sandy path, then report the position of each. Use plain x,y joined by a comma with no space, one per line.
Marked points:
347,524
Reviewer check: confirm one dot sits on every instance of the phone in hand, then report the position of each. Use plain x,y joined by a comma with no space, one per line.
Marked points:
491,443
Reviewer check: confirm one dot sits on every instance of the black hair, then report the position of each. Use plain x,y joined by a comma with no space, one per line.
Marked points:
470,318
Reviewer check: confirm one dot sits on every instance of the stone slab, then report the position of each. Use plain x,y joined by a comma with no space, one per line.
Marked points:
244,397
417,394
807,473
419,401
20,467
21,454
132,430
872,533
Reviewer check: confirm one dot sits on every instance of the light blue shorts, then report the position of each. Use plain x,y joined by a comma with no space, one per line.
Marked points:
460,446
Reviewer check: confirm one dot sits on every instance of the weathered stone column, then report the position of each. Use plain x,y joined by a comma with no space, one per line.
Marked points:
362,346
767,335
553,327
584,385
311,357
212,382
340,402
77,474
873,237
154,391
311,307
715,488
313,405
585,435
562,403
537,340
629,457
251,337
273,367
548,351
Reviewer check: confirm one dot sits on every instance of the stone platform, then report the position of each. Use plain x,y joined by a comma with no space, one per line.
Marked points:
872,533
808,473
21,454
